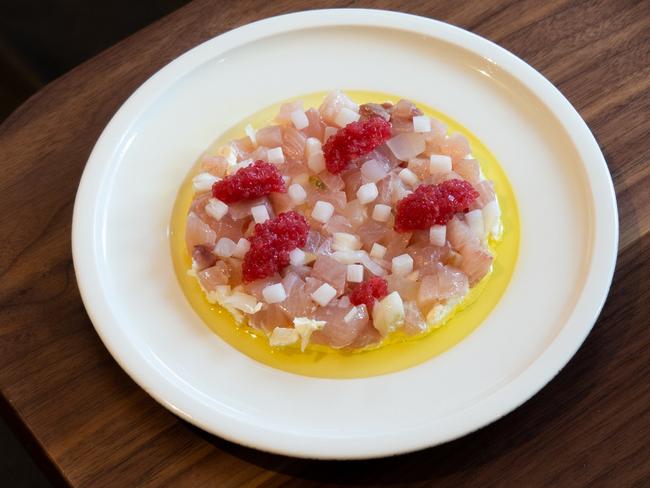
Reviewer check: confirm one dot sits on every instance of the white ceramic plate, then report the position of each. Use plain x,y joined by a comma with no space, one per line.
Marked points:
569,233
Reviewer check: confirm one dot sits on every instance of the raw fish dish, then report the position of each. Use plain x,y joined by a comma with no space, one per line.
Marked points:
342,225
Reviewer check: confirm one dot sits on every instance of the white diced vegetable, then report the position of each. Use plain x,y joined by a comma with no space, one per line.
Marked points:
367,193
381,212
324,294
297,194
408,176
439,163
297,257
388,314
421,123
322,211
275,155
250,132
475,221
355,273
283,336
342,241
299,119
203,182
377,251
402,265
243,246
438,235
225,247
274,293
216,209
346,116
260,214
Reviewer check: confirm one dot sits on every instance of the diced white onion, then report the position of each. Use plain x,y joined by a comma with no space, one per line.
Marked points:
408,176
355,273
438,235
322,211
475,221
377,251
349,257
342,241
421,123
439,163
275,155
354,311
297,257
324,294
345,117
243,246
316,162
250,132
402,265
283,336
203,182
373,171
491,214
367,193
216,209
260,214
225,247
371,266
299,119
297,194
407,145
381,212
274,293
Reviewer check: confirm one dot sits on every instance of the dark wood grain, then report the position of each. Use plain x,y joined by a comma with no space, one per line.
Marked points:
88,424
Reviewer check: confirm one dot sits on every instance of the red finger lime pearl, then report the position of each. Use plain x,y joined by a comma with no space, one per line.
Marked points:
271,243
433,204
253,181
354,140
369,291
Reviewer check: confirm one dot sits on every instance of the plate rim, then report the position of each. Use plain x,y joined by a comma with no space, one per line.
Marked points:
514,393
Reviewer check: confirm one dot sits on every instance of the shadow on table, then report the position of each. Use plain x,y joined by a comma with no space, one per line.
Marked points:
571,393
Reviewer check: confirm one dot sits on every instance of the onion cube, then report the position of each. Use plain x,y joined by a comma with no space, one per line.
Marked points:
314,154
355,273
299,119
274,293
225,247
402,265
377,251
439,163
250,132
342,241
367,193
324,294
203,182
283,336
381,212
322,211
216,209
260,214
345,117
408,176
243,246
297,257
438,235
421,123
297,194
475,221
275,155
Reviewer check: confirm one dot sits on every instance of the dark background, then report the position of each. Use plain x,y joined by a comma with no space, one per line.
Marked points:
41,40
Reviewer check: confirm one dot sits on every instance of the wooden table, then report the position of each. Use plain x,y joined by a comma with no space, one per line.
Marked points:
88,424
